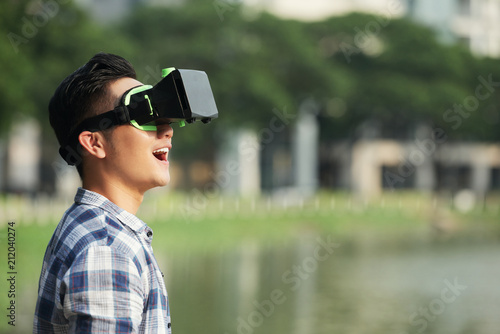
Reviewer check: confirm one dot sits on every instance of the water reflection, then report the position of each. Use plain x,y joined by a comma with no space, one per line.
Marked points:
314,286
431,288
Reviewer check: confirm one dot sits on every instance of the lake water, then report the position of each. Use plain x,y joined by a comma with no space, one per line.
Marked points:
317,286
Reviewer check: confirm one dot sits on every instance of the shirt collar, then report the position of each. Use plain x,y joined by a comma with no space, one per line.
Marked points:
84,196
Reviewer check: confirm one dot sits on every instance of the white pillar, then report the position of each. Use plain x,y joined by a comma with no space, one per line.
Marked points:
305,149
238,164
481,169
23,156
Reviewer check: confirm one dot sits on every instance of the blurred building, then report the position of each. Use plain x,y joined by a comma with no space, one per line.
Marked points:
371,167
476,23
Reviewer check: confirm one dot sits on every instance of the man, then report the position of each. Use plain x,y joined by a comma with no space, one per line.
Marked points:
99,273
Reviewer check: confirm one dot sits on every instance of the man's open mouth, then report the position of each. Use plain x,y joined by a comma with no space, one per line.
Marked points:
161,154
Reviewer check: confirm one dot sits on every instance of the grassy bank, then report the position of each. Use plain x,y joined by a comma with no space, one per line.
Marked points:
225,222
200,221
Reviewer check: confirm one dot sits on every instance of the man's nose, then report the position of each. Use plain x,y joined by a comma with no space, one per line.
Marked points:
164,130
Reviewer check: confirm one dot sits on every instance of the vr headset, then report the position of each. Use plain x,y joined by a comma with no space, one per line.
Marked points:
181,96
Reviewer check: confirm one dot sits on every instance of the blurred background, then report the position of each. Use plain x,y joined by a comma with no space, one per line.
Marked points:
350,185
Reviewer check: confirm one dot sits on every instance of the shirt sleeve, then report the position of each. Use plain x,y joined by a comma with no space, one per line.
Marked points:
102,293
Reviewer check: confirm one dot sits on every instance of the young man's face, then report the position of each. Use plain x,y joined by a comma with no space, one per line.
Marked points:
138,159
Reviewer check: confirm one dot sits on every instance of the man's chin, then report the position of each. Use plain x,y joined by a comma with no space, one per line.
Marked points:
164,181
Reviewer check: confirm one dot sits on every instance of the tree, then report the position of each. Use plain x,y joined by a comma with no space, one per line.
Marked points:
255,61
404,77
45,41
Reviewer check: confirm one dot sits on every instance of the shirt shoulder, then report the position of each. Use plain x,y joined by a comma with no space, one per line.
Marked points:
84,226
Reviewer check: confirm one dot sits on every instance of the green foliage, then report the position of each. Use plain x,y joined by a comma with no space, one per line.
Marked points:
42,46
404,76
392,72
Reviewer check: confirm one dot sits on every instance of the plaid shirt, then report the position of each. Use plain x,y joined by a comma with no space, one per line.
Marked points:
99,274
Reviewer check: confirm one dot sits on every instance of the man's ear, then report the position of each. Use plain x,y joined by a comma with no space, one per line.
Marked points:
93,144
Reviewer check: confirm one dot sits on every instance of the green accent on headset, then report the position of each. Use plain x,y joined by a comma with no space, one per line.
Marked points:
167,71
145,127
150,106
151,126
182,123
135,91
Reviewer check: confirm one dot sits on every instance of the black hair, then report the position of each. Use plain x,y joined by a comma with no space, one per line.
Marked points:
84,94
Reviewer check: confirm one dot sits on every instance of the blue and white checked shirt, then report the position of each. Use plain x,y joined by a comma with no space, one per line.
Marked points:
99,274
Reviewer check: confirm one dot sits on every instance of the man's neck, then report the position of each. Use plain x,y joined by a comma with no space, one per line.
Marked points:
118,194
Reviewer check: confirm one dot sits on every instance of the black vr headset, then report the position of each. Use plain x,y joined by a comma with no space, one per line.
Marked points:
181,96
